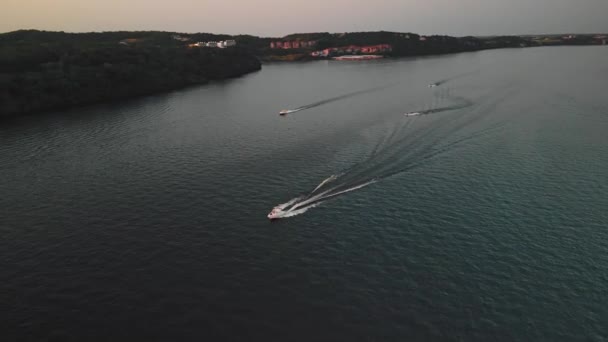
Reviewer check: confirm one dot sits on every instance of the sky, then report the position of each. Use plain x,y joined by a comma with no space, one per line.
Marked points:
275,18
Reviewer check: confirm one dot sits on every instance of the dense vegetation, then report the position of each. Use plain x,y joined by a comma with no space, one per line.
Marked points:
48,70
409,44
42,70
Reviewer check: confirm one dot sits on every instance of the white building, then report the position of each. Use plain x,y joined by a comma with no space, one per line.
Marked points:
226,43
221,44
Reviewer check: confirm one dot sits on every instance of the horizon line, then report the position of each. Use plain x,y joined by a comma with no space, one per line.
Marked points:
249,34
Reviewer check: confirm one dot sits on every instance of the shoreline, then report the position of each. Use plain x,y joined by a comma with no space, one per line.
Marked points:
42,71
50,110
117,100
44,79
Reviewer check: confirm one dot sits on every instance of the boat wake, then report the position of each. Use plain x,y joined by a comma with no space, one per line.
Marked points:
334,99
300,205
407,144
446,80
461,103
289,111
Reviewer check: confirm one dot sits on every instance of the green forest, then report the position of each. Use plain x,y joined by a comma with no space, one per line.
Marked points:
42,70
51,70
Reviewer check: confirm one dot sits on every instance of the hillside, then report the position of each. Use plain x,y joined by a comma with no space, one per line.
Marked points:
51,70
42,70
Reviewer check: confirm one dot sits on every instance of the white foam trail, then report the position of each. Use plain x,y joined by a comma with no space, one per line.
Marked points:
311,199
292,213
327,194
287,204
337,98
327,180
350,189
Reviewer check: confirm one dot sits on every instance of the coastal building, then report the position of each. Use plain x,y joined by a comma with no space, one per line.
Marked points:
377,48
352,50
601,39
221,44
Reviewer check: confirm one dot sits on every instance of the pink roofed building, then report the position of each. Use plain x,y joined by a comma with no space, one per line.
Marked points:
353,50
376,48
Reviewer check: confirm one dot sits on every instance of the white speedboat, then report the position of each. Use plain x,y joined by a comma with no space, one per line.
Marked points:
412,114
433,85
284,112
276,213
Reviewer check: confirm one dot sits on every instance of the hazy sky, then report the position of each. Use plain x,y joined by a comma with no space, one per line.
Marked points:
281,17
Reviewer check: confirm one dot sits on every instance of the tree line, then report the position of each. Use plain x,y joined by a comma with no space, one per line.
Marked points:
52,70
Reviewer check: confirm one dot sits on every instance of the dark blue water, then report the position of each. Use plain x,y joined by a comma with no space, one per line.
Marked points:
485,220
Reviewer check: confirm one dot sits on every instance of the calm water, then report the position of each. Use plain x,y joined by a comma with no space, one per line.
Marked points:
147,219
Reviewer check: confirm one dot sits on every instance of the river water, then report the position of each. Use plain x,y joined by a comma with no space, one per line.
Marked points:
482,218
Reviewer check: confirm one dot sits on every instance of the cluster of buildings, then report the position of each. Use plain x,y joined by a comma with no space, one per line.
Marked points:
601,39
353,50
295,44
570,39
221,44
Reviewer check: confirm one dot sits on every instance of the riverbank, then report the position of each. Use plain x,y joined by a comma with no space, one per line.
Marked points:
41,71
49,72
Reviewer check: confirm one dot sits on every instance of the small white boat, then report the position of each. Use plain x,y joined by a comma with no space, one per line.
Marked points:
276,213
284,112
433,85
412,114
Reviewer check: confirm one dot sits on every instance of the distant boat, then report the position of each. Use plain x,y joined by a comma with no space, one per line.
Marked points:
433,85
284,112
412,114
